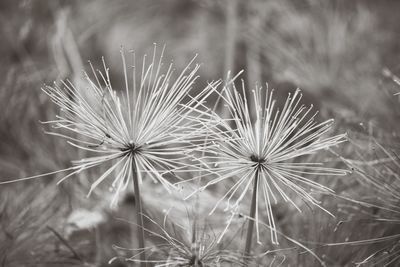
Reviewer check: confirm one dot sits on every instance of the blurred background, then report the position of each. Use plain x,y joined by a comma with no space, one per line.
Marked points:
344,55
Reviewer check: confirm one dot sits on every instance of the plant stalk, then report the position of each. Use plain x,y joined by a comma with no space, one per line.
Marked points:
139,216
247,250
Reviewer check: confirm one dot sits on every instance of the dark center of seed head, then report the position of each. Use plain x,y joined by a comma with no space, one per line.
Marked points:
131,147
257,159
194,261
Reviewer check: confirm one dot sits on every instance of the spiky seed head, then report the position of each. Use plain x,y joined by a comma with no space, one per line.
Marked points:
272,146
150,126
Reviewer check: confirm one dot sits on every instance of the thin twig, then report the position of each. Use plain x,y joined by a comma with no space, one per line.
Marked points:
65,243
253,208
139,215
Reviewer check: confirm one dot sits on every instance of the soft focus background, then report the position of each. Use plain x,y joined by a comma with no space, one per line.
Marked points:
344,55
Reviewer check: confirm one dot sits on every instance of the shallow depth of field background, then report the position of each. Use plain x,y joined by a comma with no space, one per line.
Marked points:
344,55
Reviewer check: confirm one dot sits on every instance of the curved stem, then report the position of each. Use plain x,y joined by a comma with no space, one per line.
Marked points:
253,208
139,215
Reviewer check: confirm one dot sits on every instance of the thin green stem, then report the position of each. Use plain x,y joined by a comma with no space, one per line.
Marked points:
247,250
139,216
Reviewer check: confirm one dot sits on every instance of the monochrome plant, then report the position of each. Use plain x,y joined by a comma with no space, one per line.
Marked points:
150,131
157,128
267,153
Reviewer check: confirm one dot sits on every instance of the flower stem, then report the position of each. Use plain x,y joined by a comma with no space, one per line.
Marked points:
247,250
139,216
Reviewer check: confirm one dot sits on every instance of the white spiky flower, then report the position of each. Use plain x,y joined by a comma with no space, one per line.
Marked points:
148,127
266,153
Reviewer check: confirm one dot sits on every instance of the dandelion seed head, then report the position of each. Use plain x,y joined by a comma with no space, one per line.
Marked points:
270,145
148,124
